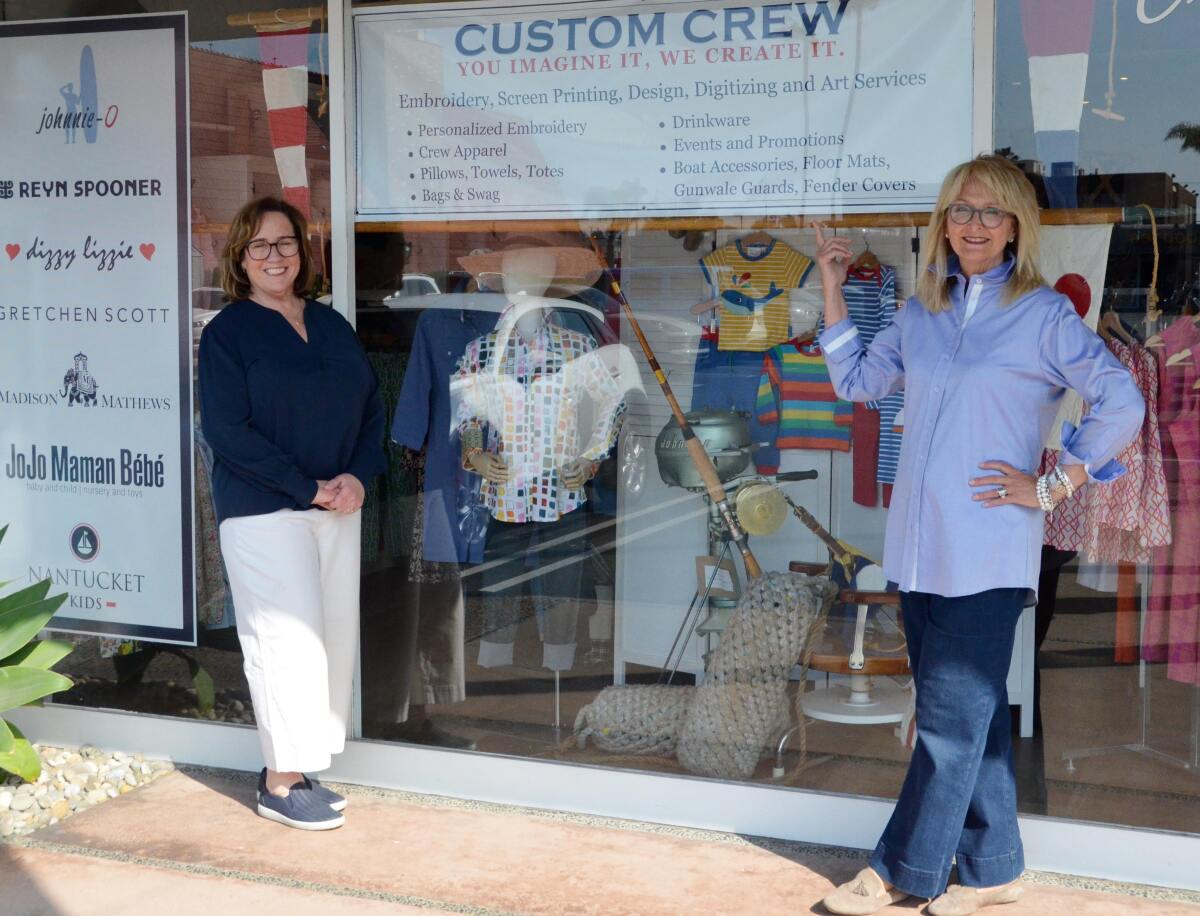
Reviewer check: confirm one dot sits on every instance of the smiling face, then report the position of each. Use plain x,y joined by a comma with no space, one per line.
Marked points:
275,276
978,247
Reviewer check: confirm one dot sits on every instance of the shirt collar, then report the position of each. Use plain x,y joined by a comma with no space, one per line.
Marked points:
998,274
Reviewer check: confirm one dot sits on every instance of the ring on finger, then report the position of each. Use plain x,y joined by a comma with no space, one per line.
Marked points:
1002,492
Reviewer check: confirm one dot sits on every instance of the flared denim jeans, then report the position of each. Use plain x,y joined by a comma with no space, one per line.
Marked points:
959,799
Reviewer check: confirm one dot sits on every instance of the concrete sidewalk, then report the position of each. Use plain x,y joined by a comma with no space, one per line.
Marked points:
191,844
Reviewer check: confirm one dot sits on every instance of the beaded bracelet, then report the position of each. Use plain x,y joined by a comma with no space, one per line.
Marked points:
1045,500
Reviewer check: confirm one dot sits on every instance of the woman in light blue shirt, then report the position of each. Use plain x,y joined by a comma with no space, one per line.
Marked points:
985,353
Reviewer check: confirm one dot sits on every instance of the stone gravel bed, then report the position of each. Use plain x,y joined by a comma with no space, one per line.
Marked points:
72,779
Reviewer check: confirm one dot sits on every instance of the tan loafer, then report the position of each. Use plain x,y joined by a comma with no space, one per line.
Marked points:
960,901
862,895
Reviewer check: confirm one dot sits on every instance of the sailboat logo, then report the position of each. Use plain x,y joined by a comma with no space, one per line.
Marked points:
85,543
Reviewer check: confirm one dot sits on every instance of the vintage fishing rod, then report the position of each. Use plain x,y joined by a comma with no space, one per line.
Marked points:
700,458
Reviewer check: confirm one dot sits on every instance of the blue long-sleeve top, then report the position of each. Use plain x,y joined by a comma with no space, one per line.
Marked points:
281,414
982,381
423,419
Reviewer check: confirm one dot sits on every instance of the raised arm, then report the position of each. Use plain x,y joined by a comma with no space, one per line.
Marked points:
858,374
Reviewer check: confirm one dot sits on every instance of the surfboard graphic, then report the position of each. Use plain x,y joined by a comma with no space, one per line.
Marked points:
87,91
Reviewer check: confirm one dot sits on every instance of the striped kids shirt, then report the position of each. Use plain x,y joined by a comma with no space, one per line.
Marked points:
795,392
752,284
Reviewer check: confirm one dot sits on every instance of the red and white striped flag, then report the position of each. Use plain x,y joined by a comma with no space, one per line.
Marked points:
1058,37
284,51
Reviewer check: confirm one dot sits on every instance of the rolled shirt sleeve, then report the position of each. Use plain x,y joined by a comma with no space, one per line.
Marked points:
1073,356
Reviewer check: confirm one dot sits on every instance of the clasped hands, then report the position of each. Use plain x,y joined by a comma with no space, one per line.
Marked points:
574,473
344,493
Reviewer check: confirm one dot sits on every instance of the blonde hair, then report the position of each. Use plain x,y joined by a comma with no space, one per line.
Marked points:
1015,194
234,281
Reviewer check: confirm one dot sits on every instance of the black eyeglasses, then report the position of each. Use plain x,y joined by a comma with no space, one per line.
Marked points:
260,249
962,214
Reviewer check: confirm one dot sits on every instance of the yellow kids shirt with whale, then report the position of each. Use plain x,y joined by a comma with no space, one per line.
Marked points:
752,282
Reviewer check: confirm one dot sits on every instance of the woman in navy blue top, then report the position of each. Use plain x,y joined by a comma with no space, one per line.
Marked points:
292,411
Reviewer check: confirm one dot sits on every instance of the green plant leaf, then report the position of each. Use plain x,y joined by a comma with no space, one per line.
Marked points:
20,685
8,741
3,531
206,694
35,592
45,653
19,624
22,759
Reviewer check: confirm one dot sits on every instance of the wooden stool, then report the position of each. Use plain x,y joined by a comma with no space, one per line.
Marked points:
862,703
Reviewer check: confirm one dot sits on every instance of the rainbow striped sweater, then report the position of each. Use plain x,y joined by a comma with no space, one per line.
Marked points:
796,393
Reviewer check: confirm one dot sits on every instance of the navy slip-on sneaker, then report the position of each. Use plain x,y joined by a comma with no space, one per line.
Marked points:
325,794
300,809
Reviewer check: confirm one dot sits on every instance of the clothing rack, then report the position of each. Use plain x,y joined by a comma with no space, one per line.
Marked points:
1127,590
1134,216
1067,217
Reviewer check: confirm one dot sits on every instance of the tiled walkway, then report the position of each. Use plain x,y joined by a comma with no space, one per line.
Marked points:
190,844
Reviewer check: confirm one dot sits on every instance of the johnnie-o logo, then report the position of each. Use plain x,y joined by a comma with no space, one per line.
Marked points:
79,111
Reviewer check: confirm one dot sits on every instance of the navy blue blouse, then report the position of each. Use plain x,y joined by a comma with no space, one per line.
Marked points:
281,414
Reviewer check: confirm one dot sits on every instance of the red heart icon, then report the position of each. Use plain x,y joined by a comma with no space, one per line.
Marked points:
147,250
13,250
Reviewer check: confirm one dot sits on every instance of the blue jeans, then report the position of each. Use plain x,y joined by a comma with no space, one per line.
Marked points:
959,799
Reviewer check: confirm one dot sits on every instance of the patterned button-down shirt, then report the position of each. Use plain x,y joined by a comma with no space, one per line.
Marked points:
982,381
528,396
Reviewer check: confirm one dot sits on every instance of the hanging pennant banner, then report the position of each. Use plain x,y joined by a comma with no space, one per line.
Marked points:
95,330
623,108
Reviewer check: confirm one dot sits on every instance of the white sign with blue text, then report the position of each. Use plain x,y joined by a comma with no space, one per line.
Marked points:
631,109
95,330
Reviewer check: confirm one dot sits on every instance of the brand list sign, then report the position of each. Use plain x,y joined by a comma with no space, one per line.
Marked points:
95,338
624,108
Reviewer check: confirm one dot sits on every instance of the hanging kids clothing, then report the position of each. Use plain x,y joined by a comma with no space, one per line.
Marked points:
728,380
1125,521
796,393
752,282
1173,613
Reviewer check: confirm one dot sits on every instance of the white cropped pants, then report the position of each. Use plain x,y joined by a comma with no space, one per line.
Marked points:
295,579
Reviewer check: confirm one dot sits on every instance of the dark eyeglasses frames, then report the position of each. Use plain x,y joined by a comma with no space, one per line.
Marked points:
260,249
989,217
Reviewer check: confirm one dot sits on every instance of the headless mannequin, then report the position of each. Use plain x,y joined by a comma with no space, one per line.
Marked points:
537,467
527,274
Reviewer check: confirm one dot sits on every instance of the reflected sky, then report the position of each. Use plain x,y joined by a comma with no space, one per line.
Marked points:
1161,63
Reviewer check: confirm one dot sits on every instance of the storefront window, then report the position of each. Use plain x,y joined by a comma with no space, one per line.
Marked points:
259,124
501,606
544,573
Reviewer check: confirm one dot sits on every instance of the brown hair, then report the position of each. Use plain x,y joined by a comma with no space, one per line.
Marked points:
1016,195
241,232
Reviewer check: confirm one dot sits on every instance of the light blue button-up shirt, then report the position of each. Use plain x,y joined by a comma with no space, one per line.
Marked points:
982,381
